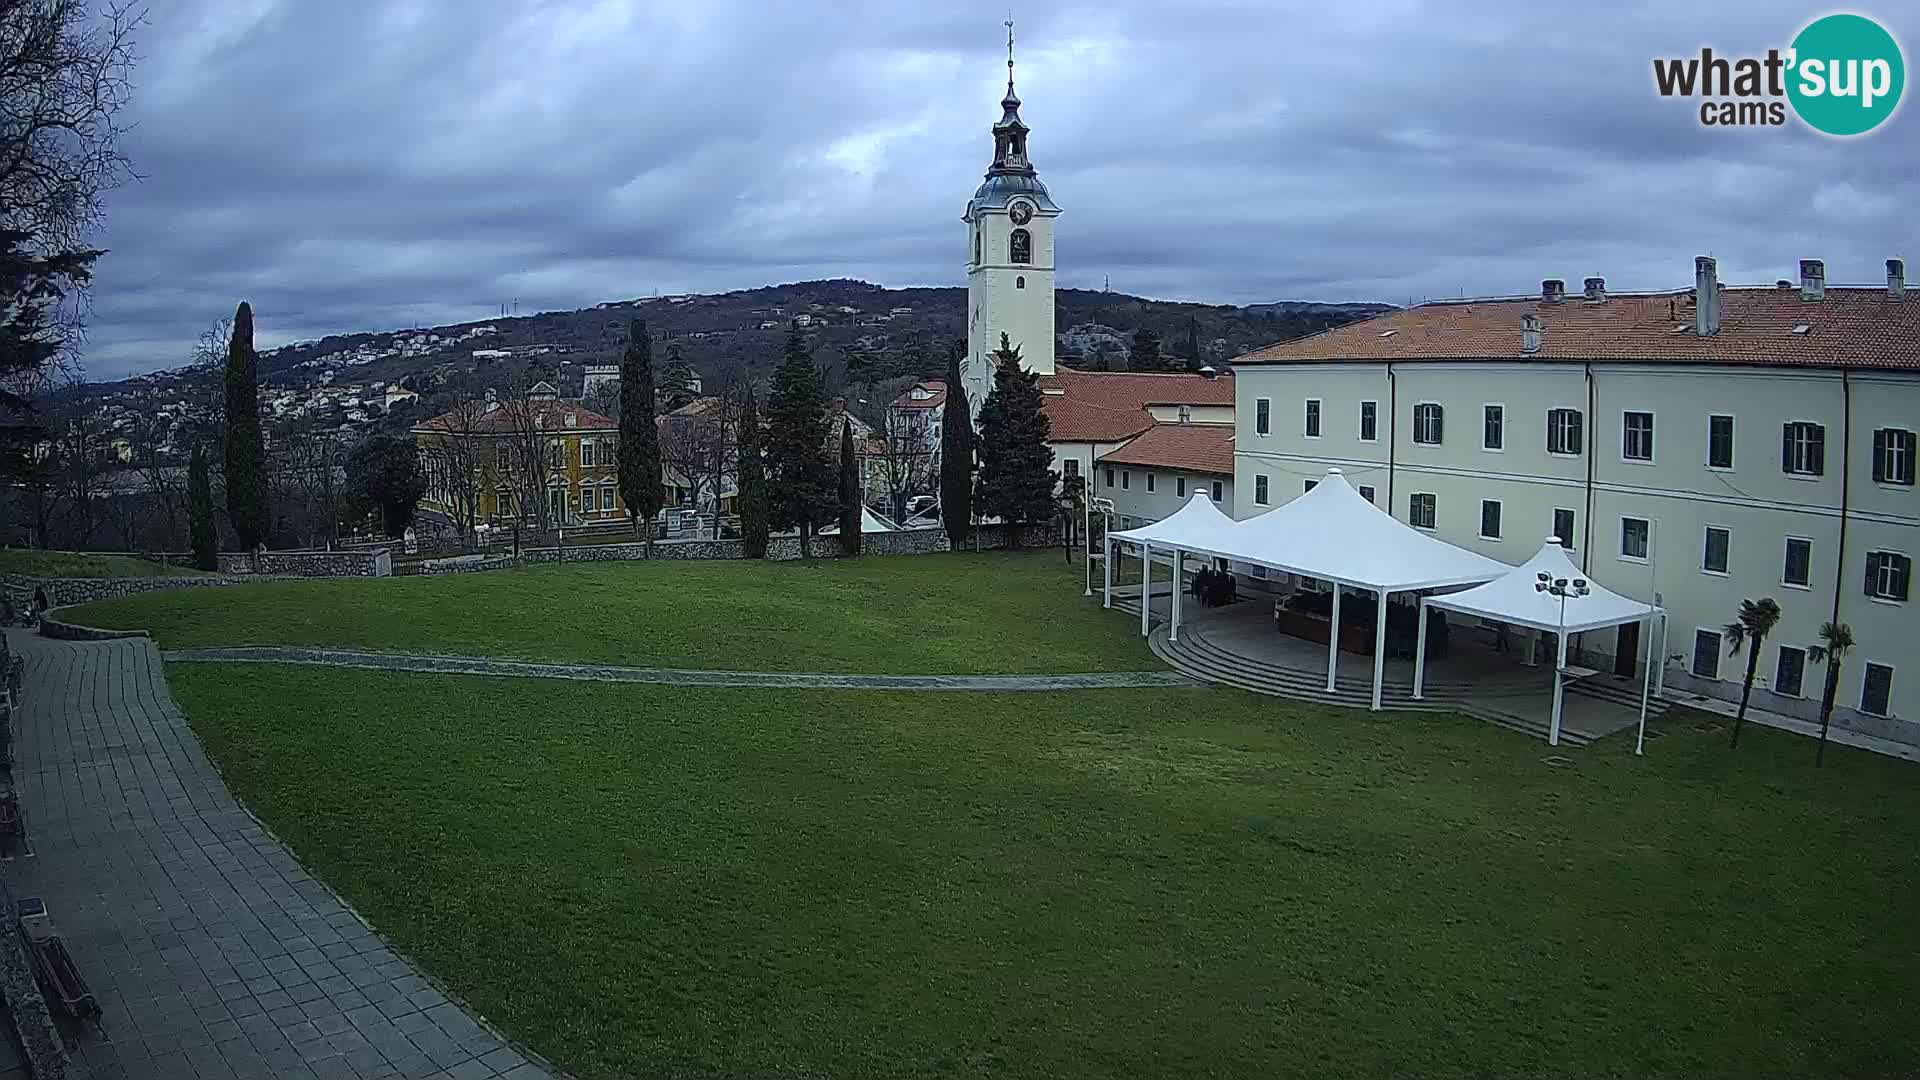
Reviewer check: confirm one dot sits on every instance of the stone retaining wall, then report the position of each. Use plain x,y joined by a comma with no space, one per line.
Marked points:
65,592
374,563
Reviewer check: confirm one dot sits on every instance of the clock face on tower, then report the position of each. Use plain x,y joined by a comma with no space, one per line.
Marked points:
1021,212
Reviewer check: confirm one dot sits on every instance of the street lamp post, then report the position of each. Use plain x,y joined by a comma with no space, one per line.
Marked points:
1562,588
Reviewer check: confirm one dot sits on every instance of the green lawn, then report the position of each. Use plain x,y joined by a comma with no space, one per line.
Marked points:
936,614
37,563
1196,882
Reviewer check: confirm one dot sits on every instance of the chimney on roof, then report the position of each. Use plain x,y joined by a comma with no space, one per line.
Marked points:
1553,290
839,405
1706,296
1596,289
1896,279
1530,334
1813,280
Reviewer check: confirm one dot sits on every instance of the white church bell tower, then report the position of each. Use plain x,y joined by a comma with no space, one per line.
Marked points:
1009,256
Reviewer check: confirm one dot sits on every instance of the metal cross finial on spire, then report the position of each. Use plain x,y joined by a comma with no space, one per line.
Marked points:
1009,51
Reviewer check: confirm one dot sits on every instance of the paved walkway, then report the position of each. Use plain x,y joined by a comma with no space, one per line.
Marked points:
469,665
212,952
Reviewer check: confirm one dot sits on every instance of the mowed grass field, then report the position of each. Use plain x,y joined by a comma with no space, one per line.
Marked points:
1013,613
34,563
654,881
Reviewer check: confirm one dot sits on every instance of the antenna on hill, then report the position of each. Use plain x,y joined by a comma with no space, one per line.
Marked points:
1108,285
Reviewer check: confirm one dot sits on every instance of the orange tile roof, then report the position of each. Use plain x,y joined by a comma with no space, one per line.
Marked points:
1853,327
1206,448
1107,406
500,421
935,401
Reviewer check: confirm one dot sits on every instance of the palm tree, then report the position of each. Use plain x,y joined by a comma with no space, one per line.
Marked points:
1756,621
1836,641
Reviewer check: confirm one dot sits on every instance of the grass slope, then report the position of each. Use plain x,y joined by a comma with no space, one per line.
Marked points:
1194,882
36,563
938,614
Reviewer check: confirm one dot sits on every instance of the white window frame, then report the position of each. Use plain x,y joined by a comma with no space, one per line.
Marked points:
1891,671
1484,408
606,498
1219,489
1733,441
1260,490
1367,493
1706,539
1653,424
1364,437
1719,644
1567,543
1879,597
1577,414
1313,418
1780,664
1263,416
1433,505
1786,560
1126,479
587,499
1641,558
1440,415
1882,461
1149,481
1499,512
1179,487
1801,475
586,453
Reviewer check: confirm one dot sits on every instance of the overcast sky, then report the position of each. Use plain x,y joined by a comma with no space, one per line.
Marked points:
372,164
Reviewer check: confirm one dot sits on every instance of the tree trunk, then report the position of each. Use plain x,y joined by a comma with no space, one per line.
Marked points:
1746,689
1826,708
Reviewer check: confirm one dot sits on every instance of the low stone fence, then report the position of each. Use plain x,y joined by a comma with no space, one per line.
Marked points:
367,563
779,549
65,592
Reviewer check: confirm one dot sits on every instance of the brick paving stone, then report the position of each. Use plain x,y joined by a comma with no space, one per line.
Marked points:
212,951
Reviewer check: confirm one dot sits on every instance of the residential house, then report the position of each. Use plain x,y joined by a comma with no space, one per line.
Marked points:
484,437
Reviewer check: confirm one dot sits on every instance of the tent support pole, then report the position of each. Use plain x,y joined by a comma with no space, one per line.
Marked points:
1106,572
1173,628
1379,646
1333,638
1146,588
1646,686
1420,654
1559,687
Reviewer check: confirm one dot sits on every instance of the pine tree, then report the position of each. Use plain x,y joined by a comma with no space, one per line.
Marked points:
200,524
1146,352
1016,482
751,503
245,465
850,505
639,455
956,457
676,380
800,482
1190,349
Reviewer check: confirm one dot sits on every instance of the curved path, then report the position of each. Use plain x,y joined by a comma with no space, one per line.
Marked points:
474,665
212,951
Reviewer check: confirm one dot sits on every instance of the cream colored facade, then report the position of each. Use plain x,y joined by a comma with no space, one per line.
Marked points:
1753,505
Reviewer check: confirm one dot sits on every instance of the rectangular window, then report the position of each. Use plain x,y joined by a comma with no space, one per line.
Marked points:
1790,671
1489,519
1493,435
1070,467
1719,442
1126,479
1262,421
1422,510
1309,486
586,455
1636,436
1713,559
1799,567
1893,456
1888,575
1109,477
1260,490
1369,421
1564,431
1563,527
1218,489
1706,654
606,497
586,500
1876,690
1180,487
1366,492
1803,449
1427,423
557,455
1149,481
1633,537
1313,418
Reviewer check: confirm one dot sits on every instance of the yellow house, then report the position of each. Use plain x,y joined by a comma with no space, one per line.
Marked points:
479,466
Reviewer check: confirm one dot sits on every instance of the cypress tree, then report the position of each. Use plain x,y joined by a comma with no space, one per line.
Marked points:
752,500
1016,482
245,465
800,483
956,457
1192,347
676,380
201,526
639,456
850,505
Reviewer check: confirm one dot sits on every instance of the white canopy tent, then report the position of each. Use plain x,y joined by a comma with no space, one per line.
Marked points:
1549,593
1333,533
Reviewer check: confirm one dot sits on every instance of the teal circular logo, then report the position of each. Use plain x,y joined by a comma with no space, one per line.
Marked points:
1846,75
